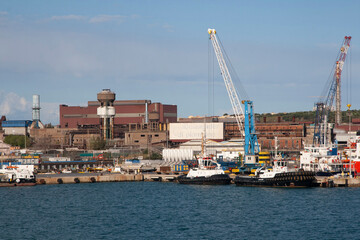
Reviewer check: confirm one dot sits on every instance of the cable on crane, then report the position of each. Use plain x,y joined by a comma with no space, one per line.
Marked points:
239,88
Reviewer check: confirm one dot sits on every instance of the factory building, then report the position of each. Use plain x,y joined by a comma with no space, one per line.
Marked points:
16,127
130,122
183,132
126,112
290,135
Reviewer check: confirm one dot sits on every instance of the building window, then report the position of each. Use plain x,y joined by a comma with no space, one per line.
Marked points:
142,135
136,141
156,135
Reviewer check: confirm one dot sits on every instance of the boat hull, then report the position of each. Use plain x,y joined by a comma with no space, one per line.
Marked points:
15,184
290,179
218,179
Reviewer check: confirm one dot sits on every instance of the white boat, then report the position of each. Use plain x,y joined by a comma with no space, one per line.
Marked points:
65,170
17,175
208,172
324,160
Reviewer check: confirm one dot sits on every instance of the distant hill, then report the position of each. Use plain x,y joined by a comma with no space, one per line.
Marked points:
306,116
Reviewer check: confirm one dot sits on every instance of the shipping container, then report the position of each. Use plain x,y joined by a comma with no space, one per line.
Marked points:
180,168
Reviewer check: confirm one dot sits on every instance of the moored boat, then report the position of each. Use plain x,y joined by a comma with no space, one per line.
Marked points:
323,160
19,175
279,176
208,172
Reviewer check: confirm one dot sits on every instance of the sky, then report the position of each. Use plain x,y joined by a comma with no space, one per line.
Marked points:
68,51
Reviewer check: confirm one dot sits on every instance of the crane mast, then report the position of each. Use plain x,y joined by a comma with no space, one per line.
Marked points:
323,107
339,67
234,99
245,121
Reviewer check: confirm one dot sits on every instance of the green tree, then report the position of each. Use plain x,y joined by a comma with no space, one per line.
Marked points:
18,140
97,143
155,156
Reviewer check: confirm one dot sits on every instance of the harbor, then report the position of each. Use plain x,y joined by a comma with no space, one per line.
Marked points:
148,142
42,179
199,120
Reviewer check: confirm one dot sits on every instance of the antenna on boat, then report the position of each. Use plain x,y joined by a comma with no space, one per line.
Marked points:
203,139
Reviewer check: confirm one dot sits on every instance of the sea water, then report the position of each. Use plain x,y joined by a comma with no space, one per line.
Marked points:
155,210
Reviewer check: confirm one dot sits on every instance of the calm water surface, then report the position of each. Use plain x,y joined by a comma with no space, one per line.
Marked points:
152,210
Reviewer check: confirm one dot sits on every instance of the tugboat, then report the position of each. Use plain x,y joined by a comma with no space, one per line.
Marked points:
279,176
208,172
17,175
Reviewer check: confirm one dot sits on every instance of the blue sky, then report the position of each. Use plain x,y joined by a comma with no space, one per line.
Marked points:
67,51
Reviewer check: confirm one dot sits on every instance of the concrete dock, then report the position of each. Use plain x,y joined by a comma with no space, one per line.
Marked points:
338,182
72,178
65,178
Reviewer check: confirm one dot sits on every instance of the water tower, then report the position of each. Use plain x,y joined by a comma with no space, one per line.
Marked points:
106,112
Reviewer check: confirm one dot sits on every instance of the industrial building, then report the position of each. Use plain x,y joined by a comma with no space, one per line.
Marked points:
119,114
130,111
131,122
16,127
290,135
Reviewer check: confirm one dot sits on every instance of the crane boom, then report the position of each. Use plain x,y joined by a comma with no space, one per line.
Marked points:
323,107
234,99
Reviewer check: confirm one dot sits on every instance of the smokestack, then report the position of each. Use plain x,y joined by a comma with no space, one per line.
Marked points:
36,108
146,112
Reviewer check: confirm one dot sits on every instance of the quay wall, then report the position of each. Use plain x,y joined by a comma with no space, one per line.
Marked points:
338,182
79,178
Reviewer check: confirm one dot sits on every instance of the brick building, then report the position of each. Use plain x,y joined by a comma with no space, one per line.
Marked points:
131,111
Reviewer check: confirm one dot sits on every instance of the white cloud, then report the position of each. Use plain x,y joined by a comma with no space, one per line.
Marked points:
3,13
11,104
15,107
68,17
95,19
107,18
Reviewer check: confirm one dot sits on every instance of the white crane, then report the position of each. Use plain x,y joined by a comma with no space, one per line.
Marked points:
234,99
